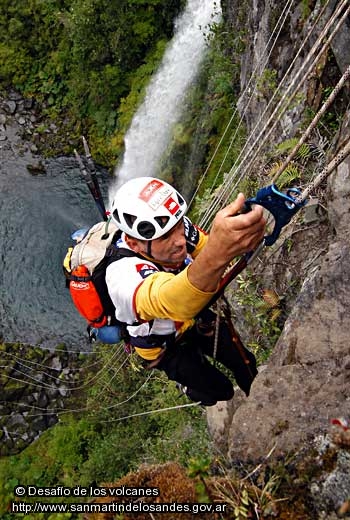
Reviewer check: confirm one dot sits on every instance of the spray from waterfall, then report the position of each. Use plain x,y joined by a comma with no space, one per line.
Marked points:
150,130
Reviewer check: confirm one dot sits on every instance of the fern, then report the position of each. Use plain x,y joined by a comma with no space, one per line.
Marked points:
286,146
271,172
304,152
288,176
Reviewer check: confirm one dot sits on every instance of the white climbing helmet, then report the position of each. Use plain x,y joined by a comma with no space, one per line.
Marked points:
147,208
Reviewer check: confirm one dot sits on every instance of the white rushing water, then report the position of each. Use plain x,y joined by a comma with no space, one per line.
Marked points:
149,133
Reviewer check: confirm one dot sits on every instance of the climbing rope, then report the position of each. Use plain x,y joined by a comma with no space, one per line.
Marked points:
217,328
313,123
256,72
151,412
45,411
226,189
332,165
71,386
246,103
283,104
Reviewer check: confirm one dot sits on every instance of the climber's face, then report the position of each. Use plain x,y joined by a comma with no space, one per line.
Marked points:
170,249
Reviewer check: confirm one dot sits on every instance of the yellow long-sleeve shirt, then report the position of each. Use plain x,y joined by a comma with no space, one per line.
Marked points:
140,292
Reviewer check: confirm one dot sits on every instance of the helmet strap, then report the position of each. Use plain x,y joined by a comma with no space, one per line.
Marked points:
149,248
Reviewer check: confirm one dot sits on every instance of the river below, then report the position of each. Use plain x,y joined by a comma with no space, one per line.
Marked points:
39,213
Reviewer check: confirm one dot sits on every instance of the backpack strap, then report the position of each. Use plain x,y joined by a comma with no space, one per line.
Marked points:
114,253
99,278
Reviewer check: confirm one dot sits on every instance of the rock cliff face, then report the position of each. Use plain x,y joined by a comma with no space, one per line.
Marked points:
307,379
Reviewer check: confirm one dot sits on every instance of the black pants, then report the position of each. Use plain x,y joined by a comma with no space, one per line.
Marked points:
186,363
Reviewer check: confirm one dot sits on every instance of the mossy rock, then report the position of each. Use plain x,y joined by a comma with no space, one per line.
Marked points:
13,390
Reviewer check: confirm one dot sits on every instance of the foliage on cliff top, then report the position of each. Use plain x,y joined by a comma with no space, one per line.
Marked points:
79,58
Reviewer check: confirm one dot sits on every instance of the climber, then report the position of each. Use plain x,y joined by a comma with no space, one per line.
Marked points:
160,291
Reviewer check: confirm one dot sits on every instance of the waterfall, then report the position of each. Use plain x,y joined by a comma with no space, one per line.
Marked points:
150,130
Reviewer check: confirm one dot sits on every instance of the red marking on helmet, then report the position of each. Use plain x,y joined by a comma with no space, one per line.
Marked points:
171,205
150,189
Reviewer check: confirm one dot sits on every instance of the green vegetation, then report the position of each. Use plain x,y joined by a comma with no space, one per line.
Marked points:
211,119
266,83
88,62
262,309
81,58
305,9
95,444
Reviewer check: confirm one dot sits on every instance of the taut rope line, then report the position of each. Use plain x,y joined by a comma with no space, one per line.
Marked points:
314,122
279,24
225,191
332,165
